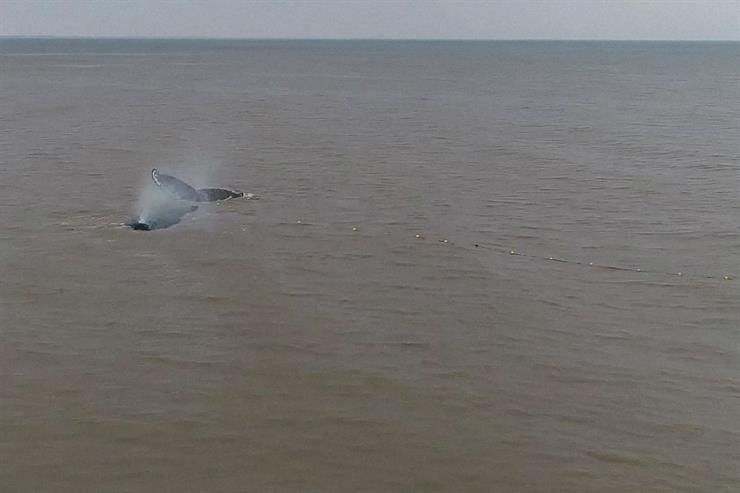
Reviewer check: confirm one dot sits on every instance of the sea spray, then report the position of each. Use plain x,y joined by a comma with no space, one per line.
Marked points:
154,210
150,200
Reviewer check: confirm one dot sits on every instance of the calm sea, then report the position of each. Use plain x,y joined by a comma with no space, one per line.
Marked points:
364,326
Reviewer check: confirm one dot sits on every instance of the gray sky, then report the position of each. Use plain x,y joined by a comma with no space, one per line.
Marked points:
444,19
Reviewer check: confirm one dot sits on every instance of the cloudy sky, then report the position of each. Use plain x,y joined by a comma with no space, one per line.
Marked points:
384,19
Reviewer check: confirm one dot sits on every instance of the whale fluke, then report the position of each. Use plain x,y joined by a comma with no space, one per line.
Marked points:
174,187
180,190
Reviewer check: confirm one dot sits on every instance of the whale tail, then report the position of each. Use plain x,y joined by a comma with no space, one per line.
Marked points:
181,190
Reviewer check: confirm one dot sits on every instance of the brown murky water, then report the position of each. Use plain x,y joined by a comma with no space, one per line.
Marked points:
268,346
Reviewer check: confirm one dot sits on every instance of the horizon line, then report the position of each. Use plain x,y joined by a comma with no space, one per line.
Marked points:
225,38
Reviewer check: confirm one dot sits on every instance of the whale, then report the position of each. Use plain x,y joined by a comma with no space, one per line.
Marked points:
178,189
216,194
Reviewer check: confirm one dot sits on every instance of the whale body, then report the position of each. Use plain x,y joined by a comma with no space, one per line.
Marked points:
215,194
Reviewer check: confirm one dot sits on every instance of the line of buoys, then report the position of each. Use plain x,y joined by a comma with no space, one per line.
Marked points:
725,277
510,252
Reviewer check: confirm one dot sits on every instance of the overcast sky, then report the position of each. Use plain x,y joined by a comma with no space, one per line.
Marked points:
426,19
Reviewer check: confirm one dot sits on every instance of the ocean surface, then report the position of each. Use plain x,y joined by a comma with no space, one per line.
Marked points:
474,267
